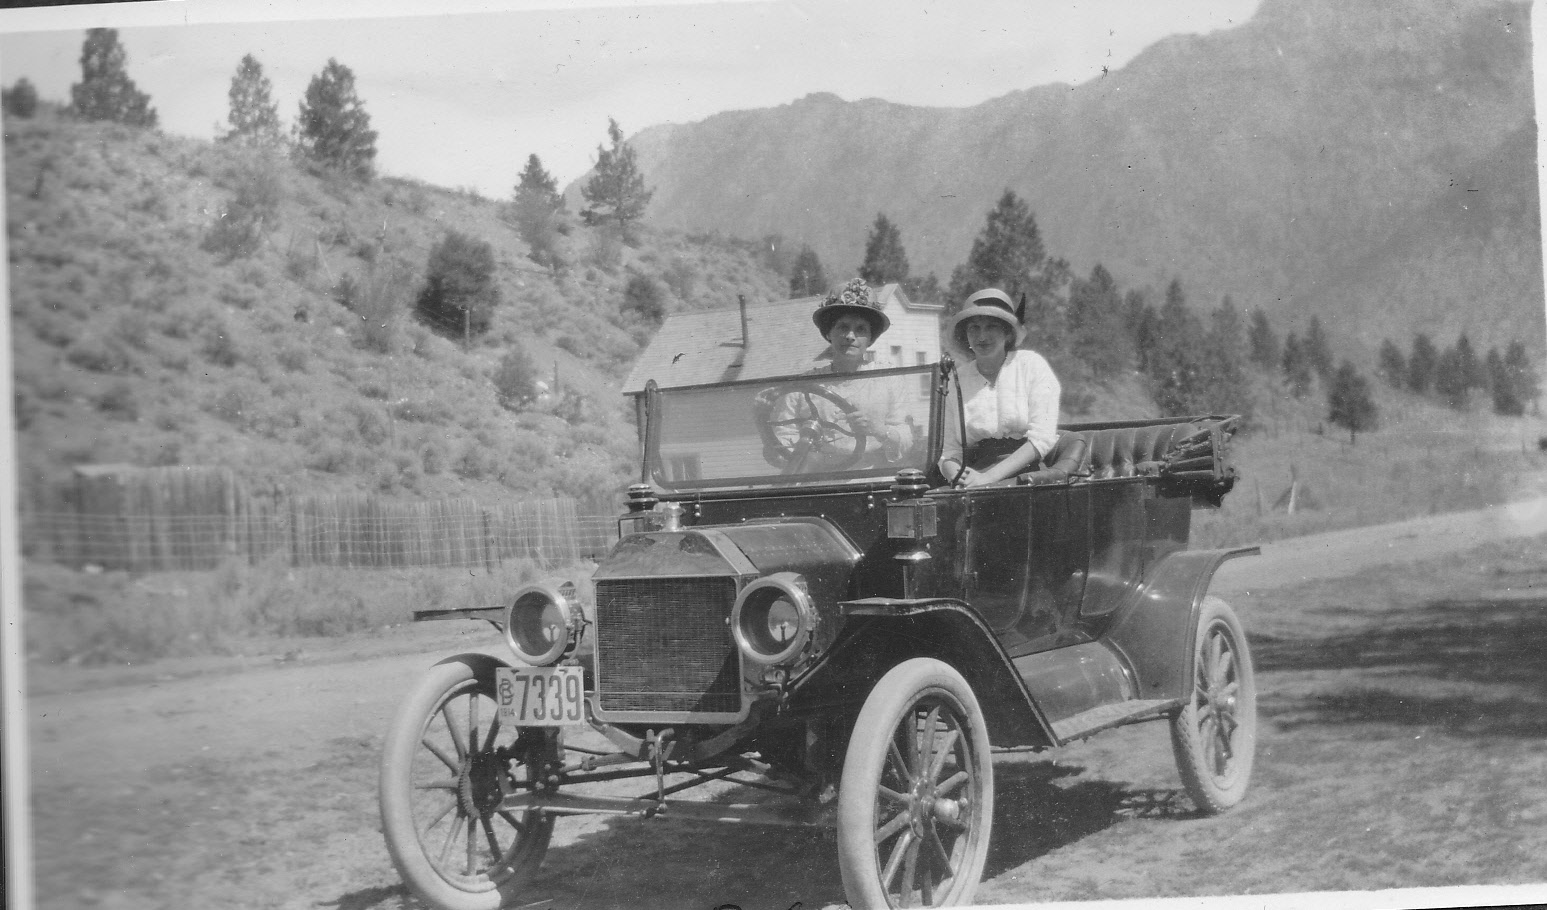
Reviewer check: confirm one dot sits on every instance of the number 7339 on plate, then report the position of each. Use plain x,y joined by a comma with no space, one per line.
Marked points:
540,696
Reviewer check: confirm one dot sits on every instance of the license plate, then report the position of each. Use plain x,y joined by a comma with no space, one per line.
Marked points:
540,696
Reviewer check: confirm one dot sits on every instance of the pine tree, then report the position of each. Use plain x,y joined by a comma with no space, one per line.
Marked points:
1176,367
1222,387
616,191
1098,333
1523,376
1297,367
536,212
806,277
1317,352
1008,254
1506,398
924,290
1450,379
1392,367
1265,350
1349,404
105,91
1471,370
333,128
253,115
1420,364
885,259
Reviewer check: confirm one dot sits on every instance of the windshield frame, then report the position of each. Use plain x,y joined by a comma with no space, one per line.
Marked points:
652,466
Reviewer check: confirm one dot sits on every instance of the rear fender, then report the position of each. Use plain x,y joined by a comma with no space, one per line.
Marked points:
1155,630
880,633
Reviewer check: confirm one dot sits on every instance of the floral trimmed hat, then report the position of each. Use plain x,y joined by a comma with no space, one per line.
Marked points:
853,298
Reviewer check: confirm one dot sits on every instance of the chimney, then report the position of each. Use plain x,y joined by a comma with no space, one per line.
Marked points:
741,300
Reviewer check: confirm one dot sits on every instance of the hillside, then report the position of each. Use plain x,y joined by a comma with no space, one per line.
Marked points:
1370,163
133,343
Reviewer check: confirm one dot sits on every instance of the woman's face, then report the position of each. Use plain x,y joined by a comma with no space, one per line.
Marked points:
850,337
986,336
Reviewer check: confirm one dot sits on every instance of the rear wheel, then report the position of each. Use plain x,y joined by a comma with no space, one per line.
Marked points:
446,759
917,793
1214,736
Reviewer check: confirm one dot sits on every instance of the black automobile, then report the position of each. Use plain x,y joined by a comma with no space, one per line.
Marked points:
797,609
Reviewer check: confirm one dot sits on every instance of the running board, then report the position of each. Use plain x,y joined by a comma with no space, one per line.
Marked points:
1113,715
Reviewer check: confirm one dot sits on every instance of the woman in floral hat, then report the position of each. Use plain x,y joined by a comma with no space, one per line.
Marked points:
850,320
1009,396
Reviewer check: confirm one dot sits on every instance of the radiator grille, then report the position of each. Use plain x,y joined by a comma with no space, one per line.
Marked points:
663,644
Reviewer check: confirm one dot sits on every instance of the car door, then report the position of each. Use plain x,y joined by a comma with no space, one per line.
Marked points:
1023,554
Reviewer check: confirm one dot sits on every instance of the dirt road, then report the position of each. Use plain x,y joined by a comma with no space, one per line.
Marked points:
256,789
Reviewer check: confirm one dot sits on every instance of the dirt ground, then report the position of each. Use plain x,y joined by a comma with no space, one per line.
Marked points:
1403,706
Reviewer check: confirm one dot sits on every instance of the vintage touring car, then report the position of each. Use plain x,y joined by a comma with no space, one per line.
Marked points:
792,608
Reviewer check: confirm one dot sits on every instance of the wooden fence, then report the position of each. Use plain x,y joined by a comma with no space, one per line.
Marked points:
160,519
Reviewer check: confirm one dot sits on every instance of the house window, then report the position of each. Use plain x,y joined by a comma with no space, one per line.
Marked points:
923,358
896,356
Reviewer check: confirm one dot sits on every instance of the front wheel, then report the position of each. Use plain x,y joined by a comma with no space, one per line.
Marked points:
446,761
917,794
1214,736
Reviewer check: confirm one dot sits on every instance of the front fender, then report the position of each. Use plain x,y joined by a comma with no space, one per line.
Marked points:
880,633
1154,630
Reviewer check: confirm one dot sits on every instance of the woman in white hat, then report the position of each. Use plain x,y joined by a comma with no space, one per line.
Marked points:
1009,396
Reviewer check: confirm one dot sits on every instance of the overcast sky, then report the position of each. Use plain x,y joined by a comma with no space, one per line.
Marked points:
461,99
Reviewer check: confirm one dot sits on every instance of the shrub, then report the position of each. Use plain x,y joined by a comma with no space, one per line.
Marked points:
218,347
515,382
251,214
643,299
20,100
98,356
292,358
459,293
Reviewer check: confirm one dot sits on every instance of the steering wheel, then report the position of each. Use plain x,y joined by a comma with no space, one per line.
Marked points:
812,426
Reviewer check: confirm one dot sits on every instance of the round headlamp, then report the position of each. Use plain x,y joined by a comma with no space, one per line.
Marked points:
773,619
543,625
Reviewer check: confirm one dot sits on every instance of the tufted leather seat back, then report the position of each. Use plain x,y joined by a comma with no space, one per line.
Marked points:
1126,451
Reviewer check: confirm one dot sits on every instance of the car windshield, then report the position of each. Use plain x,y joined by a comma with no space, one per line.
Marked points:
791,430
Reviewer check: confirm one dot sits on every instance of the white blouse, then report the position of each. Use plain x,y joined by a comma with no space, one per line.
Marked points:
1021,403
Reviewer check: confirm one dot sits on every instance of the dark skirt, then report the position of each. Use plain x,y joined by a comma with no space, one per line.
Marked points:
985,453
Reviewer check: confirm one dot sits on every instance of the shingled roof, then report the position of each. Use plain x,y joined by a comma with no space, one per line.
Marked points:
707,346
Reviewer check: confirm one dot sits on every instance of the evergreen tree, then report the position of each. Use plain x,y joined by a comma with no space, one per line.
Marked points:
1349,404
105,91
1144,328
1450,379
1420,364
1392,367
885,259
1098,333
1471,370
20,100
253,115
1317,352
806,277
459,293
1265,351
1506,398
643,298
1176,366
1223,381
1008,254
536,210
333,128
616,191
1523,376
1297,367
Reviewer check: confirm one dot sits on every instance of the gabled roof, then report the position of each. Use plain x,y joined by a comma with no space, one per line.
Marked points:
707,346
